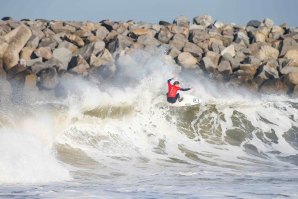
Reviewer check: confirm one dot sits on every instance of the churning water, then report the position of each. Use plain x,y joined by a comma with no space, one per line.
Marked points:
119,139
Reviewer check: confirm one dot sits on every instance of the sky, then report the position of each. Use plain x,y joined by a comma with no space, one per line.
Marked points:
228,11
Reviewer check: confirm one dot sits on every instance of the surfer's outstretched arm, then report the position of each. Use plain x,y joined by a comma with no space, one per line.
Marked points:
185,89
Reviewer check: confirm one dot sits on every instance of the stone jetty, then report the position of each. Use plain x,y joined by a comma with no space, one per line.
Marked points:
260,56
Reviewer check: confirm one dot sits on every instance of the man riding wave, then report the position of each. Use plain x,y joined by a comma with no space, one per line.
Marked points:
172,95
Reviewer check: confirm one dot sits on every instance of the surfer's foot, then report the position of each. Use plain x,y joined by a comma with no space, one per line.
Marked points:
180,99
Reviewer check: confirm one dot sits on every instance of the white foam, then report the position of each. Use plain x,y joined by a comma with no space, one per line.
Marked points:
25,159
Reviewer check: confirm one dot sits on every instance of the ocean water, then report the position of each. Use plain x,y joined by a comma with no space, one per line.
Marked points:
120,139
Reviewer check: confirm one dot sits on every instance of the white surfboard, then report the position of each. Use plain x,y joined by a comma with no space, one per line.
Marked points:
188,100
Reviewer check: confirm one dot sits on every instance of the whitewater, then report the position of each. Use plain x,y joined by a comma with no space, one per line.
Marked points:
120,139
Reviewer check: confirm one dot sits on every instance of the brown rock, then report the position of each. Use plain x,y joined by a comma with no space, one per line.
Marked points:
65,44
188,61
181,21
78,65
101,32
178,41
225,67
174,52
75,40
141,31
17,40
293,56
197,36
43,52
273,86
164,35
193,49
48,78
293,78
26,53
267,52
211,61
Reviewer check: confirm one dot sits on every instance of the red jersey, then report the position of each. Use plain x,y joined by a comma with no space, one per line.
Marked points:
172,90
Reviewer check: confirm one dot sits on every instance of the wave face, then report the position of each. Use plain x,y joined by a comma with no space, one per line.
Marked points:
122,134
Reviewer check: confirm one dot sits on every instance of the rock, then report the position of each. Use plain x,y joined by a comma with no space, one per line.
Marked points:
211,61
193,49
288,44
242,36
164,23
48,42
229,50
26,53
58,27
174,52
63,55
235,62
34,61
48,78
17,39
188,61
179,30
120,43
197,36
101,32
273,86
292,78
204,20
141,31
92,48
289,69
164,35
246,72
218,24
84,34
178,41
293,56
225,67
78,65
7,18
267,52
148,40
181,21
65,44
276,32
254,23
43,52
75,40
33,42
268,22
105,58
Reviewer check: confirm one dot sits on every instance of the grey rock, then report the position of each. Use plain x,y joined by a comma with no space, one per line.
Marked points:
78,65
225,67
174,52
65,44
268,22
197,36
48,78
63,55
120,43
148,40
211,61
48,42
242,36
182,21
102,32
178,41
254,23
92,48
204,20
229,50
186,60
193,49
164,35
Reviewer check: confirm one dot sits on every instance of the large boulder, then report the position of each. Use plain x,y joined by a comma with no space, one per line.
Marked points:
104,58
204,20
186,60
211,61
120,43
101,32
75,40
182,21
246,72
178,41
164,35
293,56
276,32
268,22
48,42
17,39
224,67
78,65
242,36
148,40
65,44
197,36
92,48
229,50
292,79
193,49
267,52
63,55
254,23
43,52
48,78
58,27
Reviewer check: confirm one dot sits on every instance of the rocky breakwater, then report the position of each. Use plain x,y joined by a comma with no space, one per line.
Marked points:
38,54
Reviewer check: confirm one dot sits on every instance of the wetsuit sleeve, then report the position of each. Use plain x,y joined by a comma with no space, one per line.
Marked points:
169,80
184,89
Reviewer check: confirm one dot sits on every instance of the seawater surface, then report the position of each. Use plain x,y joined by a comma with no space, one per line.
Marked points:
120,139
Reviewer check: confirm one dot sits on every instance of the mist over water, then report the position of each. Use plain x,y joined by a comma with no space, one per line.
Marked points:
119,138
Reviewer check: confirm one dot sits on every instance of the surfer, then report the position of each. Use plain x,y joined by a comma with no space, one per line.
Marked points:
172,95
